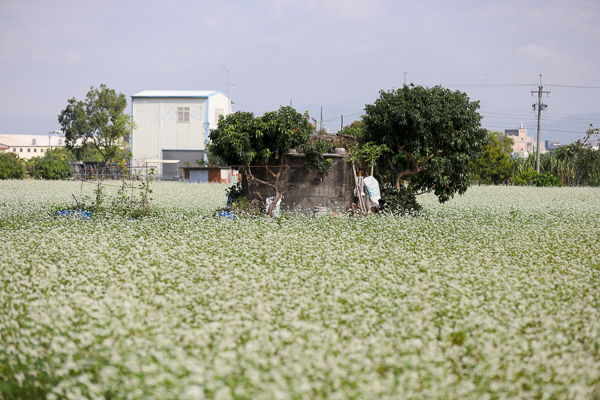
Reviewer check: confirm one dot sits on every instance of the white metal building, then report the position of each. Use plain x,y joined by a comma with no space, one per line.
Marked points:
174,125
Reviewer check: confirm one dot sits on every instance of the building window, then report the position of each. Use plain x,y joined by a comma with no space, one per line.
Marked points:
218,113
29,150
41,150
183,114
21,150
15,149
60,142
35,150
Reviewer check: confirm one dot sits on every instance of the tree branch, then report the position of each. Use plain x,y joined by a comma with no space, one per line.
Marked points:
407,172
389,161
430,157
409,155
427,191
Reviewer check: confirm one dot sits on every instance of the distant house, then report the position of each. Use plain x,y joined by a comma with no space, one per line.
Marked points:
174,125
29,146
552,144
522,144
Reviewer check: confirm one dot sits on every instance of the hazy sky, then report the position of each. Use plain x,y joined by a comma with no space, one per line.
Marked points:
332,53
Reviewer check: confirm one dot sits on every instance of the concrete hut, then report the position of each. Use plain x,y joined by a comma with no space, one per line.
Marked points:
333,189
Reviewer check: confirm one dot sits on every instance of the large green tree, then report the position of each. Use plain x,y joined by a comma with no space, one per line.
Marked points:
494,166
99,120
243,139
431,135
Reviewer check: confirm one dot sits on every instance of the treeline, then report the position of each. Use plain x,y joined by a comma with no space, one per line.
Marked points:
576,164
53,165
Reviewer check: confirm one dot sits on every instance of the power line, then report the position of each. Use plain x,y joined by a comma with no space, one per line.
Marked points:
505,85
543,129
557,118
483,85
573,76
338,118
484,74
560,130
578,87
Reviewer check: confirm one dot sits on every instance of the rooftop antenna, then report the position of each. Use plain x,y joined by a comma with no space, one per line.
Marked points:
229,85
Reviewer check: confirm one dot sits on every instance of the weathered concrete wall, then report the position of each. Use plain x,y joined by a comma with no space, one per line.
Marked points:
333,189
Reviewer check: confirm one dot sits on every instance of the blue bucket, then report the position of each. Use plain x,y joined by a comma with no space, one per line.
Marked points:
74,214
227,215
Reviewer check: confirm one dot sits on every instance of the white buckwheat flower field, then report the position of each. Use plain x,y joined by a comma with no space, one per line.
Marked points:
492,295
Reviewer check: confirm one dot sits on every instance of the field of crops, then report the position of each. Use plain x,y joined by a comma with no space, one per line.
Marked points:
493,295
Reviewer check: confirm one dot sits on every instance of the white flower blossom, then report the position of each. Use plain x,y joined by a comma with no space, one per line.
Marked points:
492,295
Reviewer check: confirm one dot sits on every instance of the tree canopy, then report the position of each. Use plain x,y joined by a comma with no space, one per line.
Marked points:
243,139
494,165
354,129
98,120
431,135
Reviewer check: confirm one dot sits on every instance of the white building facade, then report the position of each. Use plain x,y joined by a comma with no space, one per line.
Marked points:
174,125
29,146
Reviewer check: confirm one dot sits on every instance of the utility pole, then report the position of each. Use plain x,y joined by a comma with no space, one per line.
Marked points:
540,106
341,131
321,131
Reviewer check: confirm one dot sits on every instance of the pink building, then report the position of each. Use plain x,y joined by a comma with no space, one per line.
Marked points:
523,144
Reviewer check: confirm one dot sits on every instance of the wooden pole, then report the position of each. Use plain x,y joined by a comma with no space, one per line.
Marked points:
358,189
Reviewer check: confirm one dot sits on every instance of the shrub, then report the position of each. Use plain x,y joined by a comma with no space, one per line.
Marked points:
545,179
398,201
240,204
314,158
10,166
50,167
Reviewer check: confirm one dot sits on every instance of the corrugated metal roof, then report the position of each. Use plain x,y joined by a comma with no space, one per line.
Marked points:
40,140
10,141
175,93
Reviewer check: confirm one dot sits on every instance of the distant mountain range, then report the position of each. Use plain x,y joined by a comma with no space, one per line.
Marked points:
567,129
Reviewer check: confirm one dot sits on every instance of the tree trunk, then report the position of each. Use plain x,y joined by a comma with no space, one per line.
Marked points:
274,203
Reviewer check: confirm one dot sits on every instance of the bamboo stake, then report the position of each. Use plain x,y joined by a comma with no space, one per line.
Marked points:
358,188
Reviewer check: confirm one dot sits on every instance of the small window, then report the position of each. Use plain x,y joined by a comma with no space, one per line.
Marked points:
21,150
29,150
15,149
218,113
183,114
60,142
35,150
41,150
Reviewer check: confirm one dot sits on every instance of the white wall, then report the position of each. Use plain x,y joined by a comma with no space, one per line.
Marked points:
217,101
157,127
